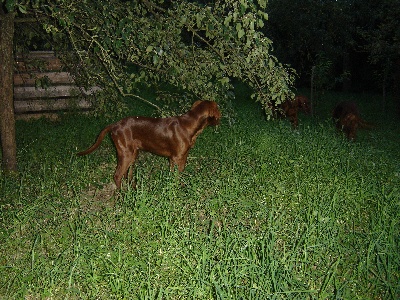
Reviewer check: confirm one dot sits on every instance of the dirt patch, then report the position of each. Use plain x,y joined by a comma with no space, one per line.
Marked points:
98,198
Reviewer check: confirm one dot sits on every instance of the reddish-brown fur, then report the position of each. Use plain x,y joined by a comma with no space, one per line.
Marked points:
171,137
290,109
347,119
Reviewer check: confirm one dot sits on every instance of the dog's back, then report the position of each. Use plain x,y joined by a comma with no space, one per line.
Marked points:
291,107
343,109
346,118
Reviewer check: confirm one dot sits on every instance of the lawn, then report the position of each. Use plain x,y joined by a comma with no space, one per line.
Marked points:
260,212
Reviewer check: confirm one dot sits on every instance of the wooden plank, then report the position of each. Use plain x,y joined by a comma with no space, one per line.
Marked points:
26,92
36,54
26,106
38,61
50,64
54,78
34,116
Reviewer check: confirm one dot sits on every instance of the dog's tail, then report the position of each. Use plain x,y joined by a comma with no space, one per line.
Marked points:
364,124
98,140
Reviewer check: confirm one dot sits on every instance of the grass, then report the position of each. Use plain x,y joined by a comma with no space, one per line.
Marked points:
261,212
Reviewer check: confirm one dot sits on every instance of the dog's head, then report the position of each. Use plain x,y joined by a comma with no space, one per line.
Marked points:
209,109
350,125
303,103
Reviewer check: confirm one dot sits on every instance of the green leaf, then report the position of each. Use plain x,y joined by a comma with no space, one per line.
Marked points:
118,44
271,64
224,80
199,18
262,3
10,4
149,49
155,59
22,8
227,20
241,33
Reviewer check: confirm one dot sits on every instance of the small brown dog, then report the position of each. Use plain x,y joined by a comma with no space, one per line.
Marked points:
346,118
290,109
171,137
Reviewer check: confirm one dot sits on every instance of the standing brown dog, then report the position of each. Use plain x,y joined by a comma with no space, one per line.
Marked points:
290,109
171,137
347,119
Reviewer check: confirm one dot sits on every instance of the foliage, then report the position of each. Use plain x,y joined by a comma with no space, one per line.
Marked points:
322,74
381,33
261,212
198,49
358,37
303,30
381,38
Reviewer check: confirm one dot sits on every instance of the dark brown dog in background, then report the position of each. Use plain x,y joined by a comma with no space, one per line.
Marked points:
346,118
290,109
171,137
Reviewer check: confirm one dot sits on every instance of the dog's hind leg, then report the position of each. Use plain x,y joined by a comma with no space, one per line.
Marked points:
126,158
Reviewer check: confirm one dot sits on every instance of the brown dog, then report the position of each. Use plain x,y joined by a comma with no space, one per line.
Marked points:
347,119
290,109
171,137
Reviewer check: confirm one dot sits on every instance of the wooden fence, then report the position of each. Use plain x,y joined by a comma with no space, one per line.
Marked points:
43,88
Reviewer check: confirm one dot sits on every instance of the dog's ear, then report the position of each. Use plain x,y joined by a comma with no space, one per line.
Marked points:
299,101
351,119
214,115
196,103
303,103
215,110
208,109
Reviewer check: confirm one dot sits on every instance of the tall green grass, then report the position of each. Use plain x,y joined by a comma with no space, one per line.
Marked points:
261,212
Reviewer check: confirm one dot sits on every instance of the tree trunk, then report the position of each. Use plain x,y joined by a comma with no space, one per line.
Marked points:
7,119
346,71
396,85
312,96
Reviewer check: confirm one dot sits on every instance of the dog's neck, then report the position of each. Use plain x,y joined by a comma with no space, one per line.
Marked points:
195,121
